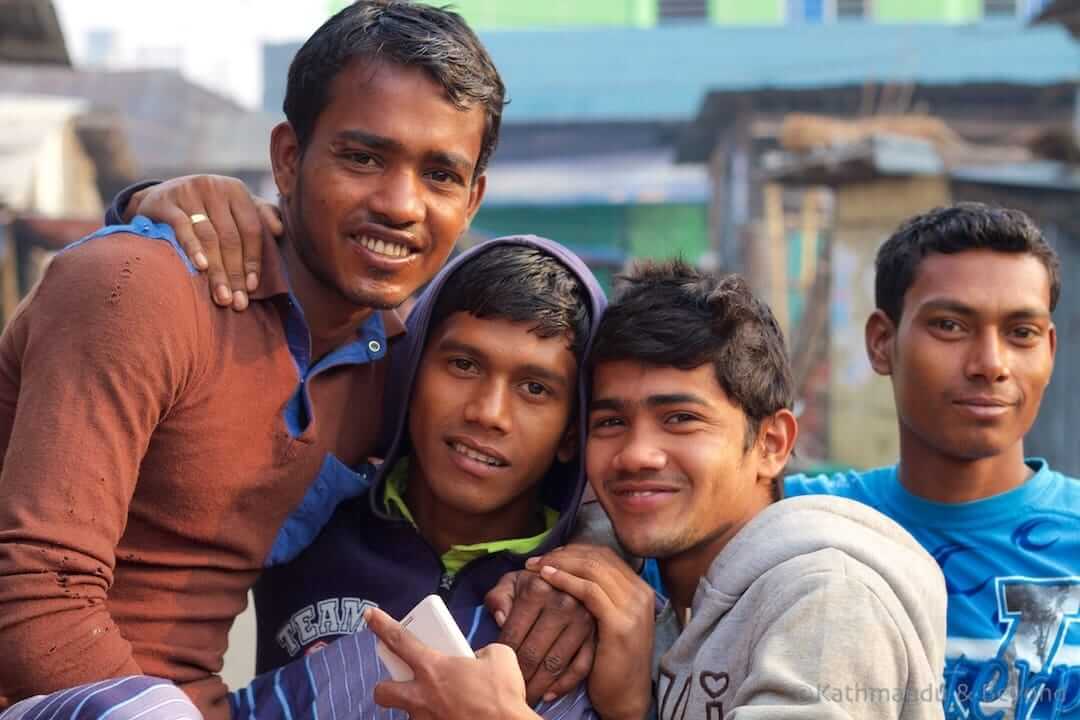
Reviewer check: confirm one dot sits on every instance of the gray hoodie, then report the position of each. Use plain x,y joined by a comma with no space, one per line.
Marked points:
820,607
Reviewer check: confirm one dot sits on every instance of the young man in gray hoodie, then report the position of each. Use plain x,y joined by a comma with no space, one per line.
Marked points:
803,608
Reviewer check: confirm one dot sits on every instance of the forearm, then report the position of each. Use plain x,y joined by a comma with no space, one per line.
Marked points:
126,203
83,383
49,642
340,680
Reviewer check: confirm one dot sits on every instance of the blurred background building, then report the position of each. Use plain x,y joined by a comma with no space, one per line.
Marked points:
783,139
778,138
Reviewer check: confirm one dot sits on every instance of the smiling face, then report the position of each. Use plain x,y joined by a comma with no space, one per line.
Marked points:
489,413
385,186
667,458
973,352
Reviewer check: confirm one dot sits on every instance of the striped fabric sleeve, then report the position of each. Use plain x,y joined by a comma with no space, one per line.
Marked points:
338,683
136,697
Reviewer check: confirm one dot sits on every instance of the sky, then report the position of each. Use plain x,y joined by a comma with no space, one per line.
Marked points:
215,43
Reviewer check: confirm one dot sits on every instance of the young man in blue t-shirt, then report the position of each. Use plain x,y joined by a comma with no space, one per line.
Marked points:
963,330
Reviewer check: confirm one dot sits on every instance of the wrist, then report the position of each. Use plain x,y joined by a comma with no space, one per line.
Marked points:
630,704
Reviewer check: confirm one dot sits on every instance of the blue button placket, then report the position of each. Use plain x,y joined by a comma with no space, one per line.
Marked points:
335,482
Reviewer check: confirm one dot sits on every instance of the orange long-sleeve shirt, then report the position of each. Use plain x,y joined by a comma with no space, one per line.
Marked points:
152,450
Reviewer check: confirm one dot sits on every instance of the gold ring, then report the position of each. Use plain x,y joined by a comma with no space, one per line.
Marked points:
198,218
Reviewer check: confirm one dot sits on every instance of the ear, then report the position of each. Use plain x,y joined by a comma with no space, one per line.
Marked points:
476,196
285,158
880,342
775,442
568,446
1053,341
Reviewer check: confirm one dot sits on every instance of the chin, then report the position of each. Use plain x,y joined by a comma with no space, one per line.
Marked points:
648,545
977,446
375,299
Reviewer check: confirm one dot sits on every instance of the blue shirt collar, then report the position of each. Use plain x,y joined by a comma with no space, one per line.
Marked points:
920,511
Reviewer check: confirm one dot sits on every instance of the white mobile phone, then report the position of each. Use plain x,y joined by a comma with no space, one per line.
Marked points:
432,624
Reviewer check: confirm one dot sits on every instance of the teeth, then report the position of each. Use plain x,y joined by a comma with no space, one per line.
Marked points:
479,457
382,247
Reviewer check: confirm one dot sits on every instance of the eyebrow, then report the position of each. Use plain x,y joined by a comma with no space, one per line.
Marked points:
617,405
453,160
538,371
960,308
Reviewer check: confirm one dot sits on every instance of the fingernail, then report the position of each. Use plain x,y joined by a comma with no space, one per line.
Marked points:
549,697
366,614
239,299
500,617
547,571
252,281
223,295
200,261
532,562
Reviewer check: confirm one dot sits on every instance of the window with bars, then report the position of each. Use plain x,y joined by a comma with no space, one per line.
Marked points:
852,9
683,10
999,8
820,11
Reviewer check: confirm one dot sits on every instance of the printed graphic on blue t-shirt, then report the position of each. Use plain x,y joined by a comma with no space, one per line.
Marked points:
1012,569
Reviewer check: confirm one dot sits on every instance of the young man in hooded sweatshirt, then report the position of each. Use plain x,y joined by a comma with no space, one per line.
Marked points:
802,608
963,330
483,471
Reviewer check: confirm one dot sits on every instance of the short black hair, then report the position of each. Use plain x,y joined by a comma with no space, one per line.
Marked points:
523,284
957,228
670,314
406,33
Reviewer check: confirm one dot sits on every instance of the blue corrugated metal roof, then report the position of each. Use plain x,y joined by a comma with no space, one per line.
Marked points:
663,73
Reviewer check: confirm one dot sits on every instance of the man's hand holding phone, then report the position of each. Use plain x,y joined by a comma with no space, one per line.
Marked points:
445,686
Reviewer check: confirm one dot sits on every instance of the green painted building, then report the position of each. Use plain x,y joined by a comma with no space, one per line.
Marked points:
533,14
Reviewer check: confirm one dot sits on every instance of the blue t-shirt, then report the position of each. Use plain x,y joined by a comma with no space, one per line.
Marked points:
1012,569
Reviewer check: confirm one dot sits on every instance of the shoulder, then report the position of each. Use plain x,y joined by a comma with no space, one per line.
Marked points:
854,484
828,582
133,273
150,248
1066,491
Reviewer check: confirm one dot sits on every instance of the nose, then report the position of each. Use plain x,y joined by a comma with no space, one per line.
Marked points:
988,358
397,202
639,454
488,407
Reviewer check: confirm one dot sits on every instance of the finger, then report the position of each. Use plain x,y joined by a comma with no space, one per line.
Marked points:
399,696
500,599
230,249
600,566
587,592
270,227
531,593
542,636
180,221
252,236
399,640
576,672
219,283
558,658
270,216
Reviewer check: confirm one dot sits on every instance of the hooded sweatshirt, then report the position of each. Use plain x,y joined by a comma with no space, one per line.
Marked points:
818,608
370,553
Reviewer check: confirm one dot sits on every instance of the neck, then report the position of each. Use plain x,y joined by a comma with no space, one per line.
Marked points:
444,526
682,573
932,475
331,319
